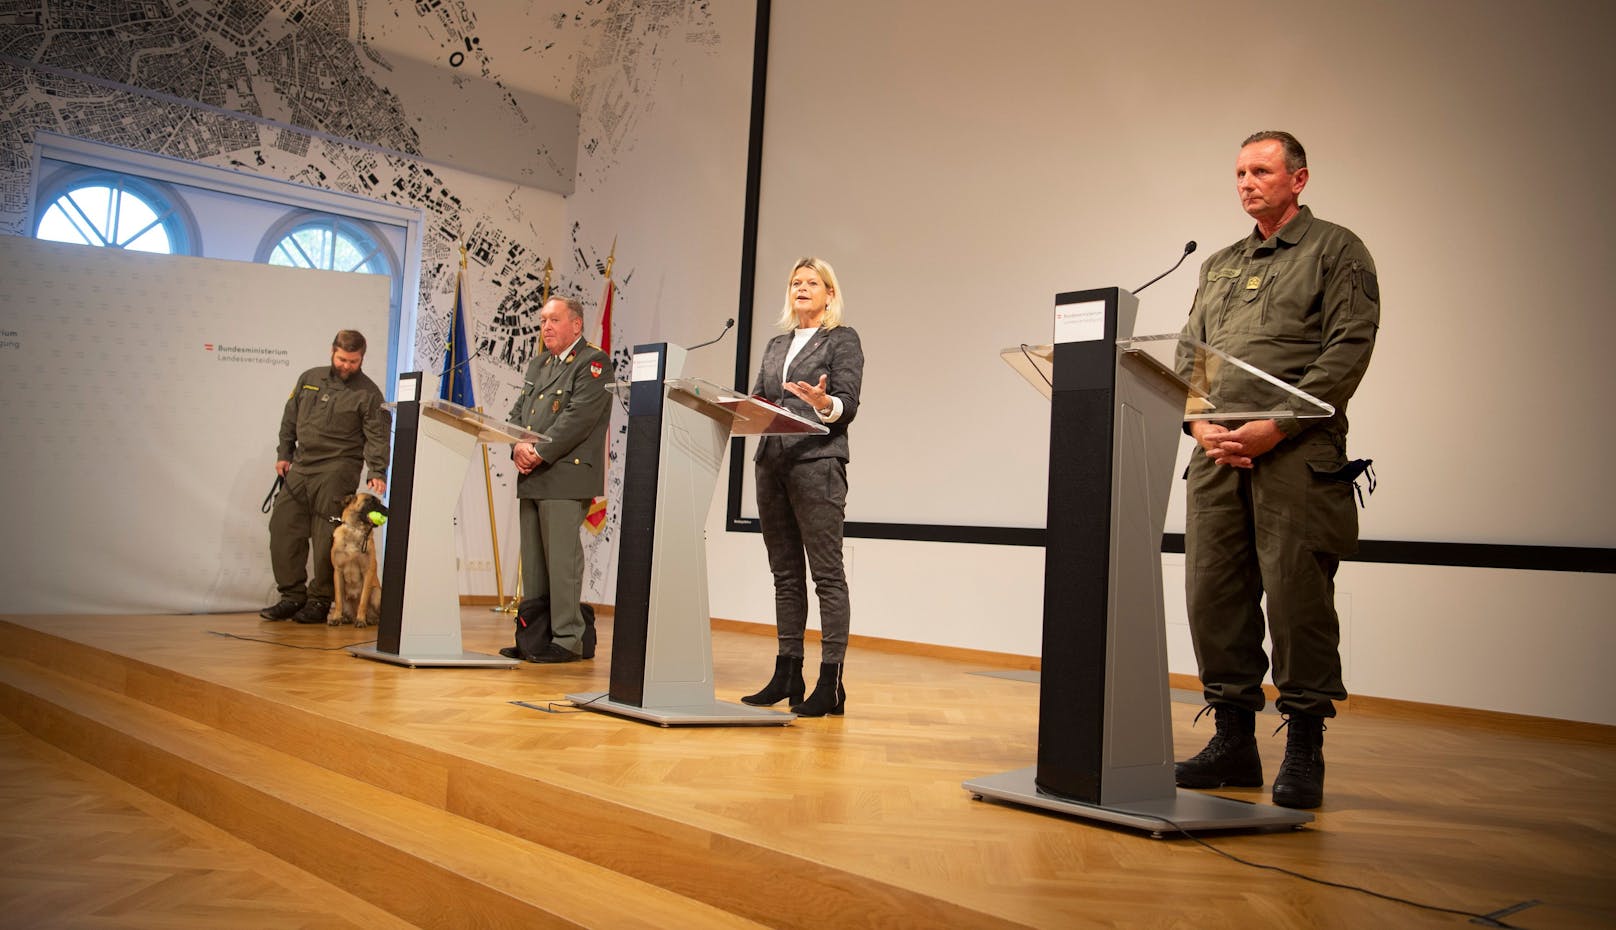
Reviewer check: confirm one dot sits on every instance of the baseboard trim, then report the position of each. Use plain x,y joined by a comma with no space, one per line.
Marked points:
482,600
898,646
1367,705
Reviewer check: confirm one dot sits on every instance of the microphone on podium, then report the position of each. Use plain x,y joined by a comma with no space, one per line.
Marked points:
727,324
460,364
1188,248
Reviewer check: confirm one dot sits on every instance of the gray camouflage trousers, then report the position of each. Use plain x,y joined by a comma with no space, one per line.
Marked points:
801,506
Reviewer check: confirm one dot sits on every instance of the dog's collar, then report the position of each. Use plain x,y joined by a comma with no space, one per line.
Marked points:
364,528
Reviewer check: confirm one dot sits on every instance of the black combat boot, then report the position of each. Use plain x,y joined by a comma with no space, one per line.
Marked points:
828,698
314,610
284,609
1230,758
1300,782
786,683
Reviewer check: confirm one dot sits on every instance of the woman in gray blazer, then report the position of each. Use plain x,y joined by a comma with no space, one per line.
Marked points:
815,368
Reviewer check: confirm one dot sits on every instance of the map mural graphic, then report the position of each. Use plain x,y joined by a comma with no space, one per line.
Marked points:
299,90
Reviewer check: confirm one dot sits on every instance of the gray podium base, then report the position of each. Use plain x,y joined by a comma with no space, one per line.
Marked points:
463,660
717,713
1188,809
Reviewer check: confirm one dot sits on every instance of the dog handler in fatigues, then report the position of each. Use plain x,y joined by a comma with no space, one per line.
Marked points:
1268,511
333,427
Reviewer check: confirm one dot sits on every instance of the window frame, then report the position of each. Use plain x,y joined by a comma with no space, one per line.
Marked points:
168,204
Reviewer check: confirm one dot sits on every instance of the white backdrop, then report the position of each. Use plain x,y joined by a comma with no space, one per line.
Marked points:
960,165
140,397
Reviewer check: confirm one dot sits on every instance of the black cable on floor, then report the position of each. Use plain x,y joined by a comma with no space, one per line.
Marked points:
276,642
1485,920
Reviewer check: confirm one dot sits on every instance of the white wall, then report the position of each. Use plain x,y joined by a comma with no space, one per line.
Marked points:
670,194
663,97
1511,641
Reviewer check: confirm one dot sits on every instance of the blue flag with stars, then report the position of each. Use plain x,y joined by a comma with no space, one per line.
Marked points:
455,384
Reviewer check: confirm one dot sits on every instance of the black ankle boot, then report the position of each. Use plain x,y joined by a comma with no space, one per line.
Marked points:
1230,758
828,697
786,683
1300,782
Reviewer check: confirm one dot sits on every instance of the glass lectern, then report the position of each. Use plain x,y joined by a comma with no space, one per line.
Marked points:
662,661
1105,739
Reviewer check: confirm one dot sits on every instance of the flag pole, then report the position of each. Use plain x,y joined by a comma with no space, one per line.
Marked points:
595,516
488,479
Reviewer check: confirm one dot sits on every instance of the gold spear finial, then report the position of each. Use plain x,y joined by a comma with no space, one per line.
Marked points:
547,267
611,257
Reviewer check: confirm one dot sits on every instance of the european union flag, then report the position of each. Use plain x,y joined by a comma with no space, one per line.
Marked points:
455,383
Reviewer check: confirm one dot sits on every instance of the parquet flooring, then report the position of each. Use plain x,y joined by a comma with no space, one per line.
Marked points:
836,822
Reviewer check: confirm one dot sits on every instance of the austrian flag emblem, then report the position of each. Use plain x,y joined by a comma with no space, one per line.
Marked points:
595,368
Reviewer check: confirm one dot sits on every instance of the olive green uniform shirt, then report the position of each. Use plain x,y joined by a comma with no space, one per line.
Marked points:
1303,306
330,423
565,399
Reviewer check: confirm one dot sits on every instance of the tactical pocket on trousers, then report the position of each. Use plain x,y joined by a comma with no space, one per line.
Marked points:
1333,516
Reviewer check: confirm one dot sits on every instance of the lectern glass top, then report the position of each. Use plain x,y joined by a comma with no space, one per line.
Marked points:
752,416
1035,363
486,428
1219,386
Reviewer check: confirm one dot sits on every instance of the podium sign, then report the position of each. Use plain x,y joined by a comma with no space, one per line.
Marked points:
1105,739
433,441
662,657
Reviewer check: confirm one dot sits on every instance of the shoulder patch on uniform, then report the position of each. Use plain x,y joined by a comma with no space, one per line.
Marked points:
1370,284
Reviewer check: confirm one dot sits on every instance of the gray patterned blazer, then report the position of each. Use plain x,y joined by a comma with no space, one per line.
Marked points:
835,353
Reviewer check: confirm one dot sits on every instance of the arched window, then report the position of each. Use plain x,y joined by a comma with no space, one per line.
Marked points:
306,239
114,210
328,243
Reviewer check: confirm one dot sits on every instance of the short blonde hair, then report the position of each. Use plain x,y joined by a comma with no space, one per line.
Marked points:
833,307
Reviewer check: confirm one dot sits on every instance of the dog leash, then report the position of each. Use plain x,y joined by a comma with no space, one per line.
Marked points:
274,489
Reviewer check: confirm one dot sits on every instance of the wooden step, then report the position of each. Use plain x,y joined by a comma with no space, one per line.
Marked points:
428,866
324,709
84,848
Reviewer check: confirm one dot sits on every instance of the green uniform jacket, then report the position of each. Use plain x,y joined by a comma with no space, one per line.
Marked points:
1303,306
566,400
330,423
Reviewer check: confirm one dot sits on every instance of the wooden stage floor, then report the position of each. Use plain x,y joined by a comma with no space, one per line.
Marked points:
835,822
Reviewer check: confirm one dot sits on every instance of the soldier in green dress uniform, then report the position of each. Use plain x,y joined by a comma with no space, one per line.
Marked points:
563,397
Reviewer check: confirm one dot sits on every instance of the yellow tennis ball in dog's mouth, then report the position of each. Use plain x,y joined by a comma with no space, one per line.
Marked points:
377,518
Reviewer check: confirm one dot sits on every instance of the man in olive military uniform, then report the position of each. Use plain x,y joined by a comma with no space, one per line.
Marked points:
563,397
1268,513
334,425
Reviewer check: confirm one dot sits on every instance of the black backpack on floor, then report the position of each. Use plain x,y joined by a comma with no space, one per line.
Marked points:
533,632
